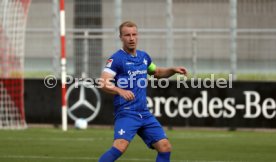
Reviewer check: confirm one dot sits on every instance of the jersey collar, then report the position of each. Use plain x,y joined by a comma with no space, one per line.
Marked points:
129,54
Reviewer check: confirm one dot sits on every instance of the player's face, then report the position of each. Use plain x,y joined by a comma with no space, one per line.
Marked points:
129,38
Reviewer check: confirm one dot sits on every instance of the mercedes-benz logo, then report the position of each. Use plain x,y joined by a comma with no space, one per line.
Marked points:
82,101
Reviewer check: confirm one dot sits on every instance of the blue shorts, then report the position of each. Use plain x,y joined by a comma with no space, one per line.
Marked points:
148,128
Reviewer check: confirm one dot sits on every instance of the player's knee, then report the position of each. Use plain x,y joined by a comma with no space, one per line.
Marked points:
121,144
164,146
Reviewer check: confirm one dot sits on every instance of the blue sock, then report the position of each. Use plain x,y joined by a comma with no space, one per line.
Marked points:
163,157
111,155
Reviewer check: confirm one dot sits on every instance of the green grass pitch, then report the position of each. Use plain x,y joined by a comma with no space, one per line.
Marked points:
53,145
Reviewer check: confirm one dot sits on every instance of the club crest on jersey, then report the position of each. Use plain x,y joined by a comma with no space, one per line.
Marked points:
145,62
109,63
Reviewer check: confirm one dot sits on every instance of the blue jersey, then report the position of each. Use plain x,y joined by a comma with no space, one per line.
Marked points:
130,73
133,117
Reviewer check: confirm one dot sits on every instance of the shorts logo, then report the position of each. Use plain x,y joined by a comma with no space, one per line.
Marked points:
121,132
109,63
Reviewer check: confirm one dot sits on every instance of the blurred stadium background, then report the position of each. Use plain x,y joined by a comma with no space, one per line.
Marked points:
194,33
206,36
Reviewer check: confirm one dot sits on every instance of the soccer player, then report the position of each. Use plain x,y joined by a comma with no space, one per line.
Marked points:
125,76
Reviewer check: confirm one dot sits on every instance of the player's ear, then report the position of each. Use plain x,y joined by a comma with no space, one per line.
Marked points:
120,36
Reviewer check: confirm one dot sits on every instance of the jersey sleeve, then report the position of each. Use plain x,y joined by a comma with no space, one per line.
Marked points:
149,60
112,66
151,65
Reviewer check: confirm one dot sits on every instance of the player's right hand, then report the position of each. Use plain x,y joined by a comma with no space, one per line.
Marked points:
126,94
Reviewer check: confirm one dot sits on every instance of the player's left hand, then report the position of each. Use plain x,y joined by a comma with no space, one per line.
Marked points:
181,70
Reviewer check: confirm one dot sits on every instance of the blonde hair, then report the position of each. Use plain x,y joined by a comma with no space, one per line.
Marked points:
127,24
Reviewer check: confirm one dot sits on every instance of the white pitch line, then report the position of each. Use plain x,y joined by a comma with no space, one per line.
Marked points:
180,136
201,136
53,139
90,158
